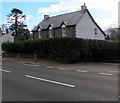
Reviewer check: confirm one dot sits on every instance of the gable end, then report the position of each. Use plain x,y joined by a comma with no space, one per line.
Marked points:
96,23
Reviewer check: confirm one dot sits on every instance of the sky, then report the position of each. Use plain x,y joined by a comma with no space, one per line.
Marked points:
104,12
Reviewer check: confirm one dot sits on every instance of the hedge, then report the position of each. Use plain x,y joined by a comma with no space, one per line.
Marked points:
67,49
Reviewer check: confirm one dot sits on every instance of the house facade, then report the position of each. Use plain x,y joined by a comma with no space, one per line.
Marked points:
79,24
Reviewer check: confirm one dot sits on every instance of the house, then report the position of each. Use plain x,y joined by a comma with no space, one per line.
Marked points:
79,24
7,37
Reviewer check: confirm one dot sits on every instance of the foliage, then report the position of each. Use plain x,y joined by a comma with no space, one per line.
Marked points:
16,21
114,33
66,49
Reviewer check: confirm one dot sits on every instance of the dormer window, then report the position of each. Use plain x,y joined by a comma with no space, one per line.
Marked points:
64,30
50,31
39,35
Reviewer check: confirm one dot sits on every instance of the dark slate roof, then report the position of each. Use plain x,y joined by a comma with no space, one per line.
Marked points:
69,18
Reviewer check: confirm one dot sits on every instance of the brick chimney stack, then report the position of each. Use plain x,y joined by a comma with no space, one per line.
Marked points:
83,8
46,17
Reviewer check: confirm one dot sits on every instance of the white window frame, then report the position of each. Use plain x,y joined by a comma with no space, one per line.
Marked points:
39,34
50,31
64,32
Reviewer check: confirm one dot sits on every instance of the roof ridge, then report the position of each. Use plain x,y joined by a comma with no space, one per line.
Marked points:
71,18
65,14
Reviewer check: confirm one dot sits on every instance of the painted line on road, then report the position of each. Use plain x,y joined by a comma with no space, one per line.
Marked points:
4,70
7,62
62,68
51,81
83,71
111,64
32,65
49,67
114,71
105,74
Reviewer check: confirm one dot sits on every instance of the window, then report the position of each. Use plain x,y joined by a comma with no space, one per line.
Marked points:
39,30
50,31
96,31
63,30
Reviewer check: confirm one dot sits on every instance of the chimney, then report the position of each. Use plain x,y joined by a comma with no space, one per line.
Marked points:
83,8
46,17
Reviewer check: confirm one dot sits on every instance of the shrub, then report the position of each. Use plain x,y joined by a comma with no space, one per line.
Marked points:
67,49
9,47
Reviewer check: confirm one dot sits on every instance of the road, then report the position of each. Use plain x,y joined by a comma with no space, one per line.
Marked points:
26,82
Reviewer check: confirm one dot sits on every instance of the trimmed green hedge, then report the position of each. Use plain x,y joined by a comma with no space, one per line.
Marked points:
66,49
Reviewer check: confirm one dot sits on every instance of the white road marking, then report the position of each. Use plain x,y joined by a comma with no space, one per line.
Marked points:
83,71
51,81
62,68
4,70
49,67
114,71
32,65
7,62
111,64
105,74
119,96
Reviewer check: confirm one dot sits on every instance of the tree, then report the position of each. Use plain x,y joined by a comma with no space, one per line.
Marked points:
114,33
16,22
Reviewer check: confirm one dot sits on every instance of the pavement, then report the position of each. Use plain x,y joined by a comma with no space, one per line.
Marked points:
93,67
26,80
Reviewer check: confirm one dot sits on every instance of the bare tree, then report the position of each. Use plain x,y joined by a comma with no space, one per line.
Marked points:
114,33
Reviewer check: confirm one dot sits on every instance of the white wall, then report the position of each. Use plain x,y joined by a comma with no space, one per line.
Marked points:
0,32
86,29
